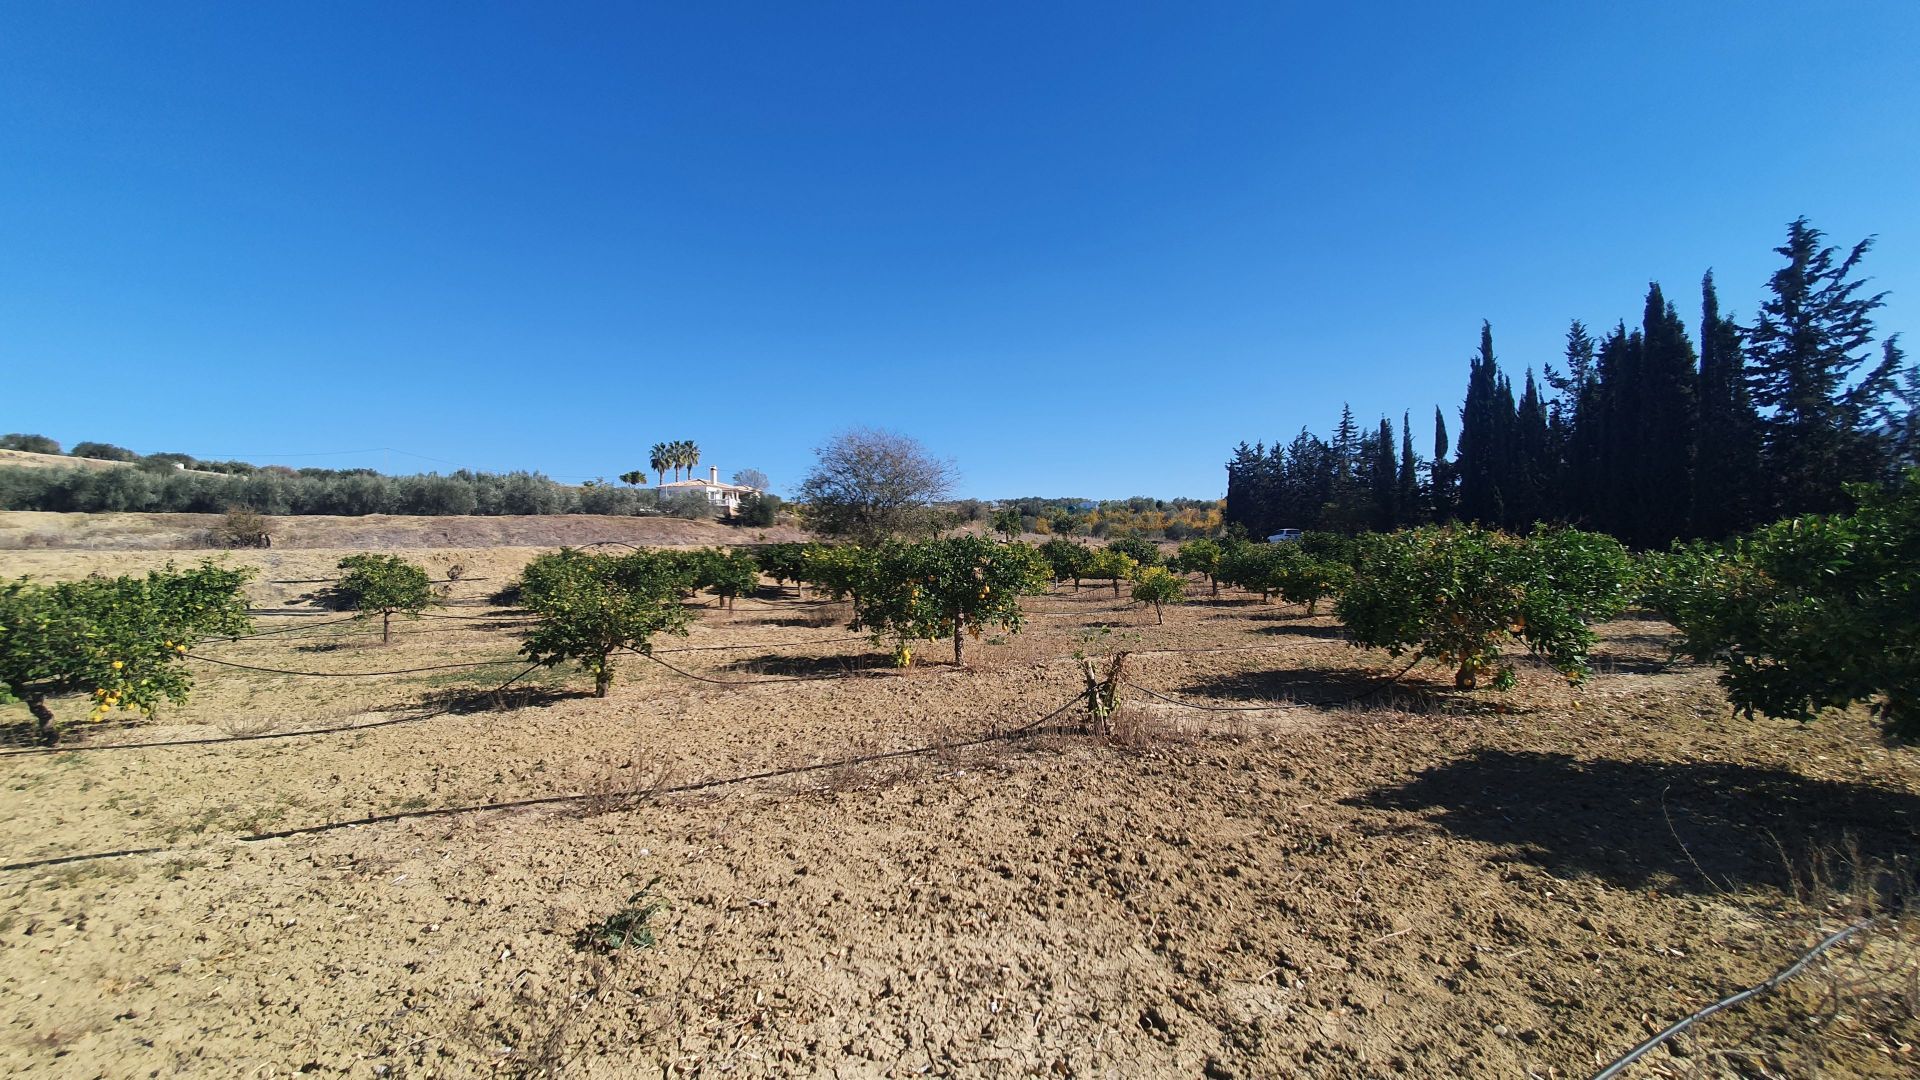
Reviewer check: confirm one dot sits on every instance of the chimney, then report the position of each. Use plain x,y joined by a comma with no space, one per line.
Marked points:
713,474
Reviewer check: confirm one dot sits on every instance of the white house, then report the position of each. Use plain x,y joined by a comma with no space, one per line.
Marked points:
720,496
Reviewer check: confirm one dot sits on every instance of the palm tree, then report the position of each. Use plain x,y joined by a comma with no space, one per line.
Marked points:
693,456
661,461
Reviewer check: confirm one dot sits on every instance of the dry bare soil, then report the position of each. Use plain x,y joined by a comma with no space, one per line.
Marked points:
869,872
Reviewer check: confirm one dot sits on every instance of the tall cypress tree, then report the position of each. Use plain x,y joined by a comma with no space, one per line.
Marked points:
1811,336
1533,465
1726,468
1408,498
1486,425
1383,478
1663,474
1441,491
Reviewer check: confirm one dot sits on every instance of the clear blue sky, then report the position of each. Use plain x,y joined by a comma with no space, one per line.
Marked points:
1078,248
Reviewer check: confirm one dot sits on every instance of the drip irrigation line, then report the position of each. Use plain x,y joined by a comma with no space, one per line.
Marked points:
762,645
280,630
215,740
1620,1064
351,674
1028,728
432,615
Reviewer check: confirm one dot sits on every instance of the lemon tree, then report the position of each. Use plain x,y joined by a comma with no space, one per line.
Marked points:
1106,564
591,606
947,587
122,640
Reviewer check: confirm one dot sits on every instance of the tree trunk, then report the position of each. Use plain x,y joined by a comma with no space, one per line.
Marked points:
1158,618
959,644
386,627
1468,677
602,679
43,717
1116,588
1216,584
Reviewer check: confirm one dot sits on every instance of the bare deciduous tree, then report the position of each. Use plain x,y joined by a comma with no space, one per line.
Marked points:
869,484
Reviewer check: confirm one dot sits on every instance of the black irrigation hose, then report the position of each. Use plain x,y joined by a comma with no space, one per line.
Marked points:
215,740
351,674
1620,1064
762,645
556,800
281,630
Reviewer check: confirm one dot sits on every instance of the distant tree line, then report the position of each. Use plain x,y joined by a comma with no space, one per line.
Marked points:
1641,433
349,492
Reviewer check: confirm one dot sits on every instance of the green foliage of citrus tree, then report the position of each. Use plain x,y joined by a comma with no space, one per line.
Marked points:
1811,613
726,574
947,587
1106,564
783,562
1201,556
1158,585
1067,559
1007,524
1301,578
122,640
591,606
836,570
384,585
1458,595
1138,548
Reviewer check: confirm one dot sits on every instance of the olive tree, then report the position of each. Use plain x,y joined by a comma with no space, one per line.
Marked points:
868,485
122,640
384,585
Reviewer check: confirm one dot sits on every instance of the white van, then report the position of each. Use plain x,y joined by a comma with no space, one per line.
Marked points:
1285,536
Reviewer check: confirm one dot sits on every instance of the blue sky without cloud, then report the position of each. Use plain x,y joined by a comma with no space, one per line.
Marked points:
1079,248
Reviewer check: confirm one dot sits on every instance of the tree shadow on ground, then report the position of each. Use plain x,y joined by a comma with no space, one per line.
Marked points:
1328,686
1692,827
463,700
1295,629
776,664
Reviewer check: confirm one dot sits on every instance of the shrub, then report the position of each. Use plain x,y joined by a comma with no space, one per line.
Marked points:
591,606
120,639
1457,594
1810,613
383,584
947,587
240,527
758,510
1159,585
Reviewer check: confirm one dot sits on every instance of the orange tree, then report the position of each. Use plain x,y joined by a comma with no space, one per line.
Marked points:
727,574
384,585
123,640
1106,564
1067,559
947,587
1201,556
1816,612
592,606
1158,585
1457,595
